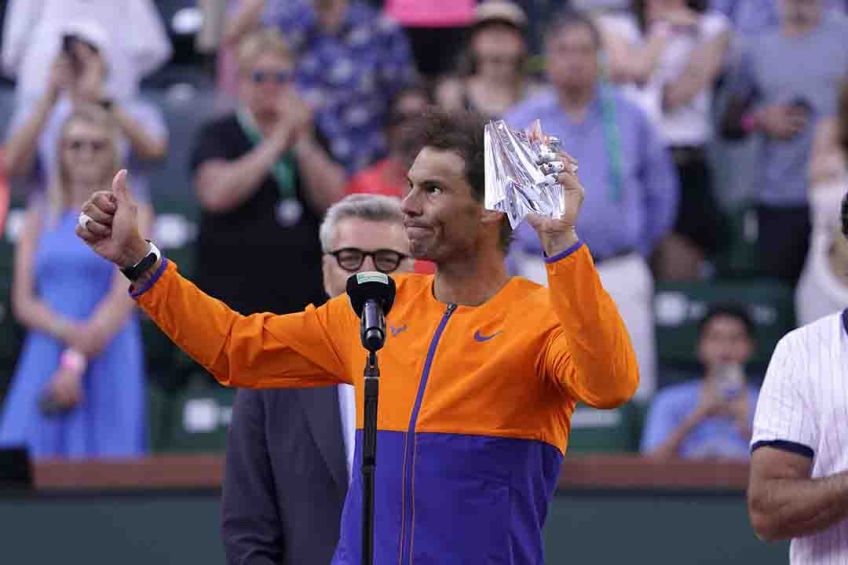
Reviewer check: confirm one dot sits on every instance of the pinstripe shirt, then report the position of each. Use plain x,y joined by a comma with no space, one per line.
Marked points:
803,408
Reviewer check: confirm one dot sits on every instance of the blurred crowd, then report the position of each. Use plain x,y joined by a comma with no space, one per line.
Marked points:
685,116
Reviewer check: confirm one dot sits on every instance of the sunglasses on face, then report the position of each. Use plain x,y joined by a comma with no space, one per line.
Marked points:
94,145
385,260
277,77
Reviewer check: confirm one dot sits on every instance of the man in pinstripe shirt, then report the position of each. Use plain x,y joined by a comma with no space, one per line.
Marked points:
799,467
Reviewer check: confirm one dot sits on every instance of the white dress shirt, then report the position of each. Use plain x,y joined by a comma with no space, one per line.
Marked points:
347,410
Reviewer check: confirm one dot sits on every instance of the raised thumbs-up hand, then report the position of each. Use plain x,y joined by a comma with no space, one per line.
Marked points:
108,223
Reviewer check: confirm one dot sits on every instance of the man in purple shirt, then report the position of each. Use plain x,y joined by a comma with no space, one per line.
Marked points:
635,190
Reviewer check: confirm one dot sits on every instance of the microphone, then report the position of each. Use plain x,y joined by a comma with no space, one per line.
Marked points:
371,296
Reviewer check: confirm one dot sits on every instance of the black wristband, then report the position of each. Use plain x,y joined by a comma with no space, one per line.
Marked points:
132,273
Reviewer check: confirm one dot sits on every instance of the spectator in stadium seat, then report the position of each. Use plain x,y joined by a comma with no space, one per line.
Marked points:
823,286
750,17
290,451
710,417
668,56
263,178
33,32
388,176
495,78
436,29
350,62
79,77
78,388
783,108
632,204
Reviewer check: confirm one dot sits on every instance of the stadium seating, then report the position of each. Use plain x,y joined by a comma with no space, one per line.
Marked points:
194,419
739,260
606,430
10,334
679,306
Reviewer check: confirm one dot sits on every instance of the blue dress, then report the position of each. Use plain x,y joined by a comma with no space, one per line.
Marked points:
109,421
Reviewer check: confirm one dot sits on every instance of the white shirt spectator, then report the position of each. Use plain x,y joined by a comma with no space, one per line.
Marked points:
33,30
689,124
820,292
803,408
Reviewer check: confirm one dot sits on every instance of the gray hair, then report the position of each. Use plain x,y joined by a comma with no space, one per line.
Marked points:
370,207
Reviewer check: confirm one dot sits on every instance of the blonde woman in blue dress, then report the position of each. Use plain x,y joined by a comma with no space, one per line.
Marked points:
78,388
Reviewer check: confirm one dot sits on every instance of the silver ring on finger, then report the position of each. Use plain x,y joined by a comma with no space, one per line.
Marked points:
83,220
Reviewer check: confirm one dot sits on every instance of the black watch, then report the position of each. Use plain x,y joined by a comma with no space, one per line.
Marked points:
146,262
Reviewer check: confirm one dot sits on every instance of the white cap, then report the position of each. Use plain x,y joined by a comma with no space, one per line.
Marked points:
491,11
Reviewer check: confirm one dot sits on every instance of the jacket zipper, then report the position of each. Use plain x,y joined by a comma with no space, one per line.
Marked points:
409,442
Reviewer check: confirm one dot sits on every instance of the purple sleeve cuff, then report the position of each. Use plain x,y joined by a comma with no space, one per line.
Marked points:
565,253
135,293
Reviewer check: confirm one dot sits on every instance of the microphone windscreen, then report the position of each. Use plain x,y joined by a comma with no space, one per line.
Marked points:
371,285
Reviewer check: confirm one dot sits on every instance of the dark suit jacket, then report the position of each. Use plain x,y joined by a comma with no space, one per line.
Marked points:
285,478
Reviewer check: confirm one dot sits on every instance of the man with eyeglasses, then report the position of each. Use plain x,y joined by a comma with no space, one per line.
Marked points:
263,179
290,451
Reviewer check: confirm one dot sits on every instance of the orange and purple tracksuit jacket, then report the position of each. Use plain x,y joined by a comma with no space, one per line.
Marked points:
475,402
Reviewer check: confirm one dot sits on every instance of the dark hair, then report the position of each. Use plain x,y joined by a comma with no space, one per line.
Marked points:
568,18
639,8
731,310
462,133
845,215
394,116
842,119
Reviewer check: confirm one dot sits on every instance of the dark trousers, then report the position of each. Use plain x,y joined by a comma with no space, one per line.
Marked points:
698,215
784,237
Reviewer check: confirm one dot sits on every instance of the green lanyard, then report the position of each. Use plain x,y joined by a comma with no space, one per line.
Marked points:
612,134
285,167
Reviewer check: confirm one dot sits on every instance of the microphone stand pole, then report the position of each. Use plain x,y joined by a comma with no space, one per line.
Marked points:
369,455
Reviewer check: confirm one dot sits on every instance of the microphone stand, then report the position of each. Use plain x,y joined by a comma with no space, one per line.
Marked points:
369,455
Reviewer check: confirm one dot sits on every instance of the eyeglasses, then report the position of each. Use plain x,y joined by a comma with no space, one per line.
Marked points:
278,77
94,145
385,260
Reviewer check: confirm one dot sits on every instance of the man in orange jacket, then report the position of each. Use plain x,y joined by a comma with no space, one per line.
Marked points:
481,372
